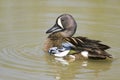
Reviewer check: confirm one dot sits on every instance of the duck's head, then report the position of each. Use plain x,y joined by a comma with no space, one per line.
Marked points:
65,24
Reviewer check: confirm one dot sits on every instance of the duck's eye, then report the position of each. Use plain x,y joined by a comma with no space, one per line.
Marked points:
62,20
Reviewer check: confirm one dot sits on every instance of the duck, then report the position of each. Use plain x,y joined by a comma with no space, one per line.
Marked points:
61,42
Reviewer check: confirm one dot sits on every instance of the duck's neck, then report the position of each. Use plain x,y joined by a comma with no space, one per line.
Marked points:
69,31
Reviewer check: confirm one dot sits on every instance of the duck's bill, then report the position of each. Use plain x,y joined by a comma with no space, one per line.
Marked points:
55,28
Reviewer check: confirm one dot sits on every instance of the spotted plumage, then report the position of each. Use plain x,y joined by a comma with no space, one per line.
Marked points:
61,41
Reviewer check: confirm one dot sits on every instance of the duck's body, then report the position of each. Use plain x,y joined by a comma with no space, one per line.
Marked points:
78,47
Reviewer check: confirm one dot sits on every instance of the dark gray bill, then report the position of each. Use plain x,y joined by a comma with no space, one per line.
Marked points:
55,28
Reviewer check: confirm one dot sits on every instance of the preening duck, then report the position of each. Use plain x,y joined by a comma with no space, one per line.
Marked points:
60,42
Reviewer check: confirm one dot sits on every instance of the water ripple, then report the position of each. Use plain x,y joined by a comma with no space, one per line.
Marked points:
25,57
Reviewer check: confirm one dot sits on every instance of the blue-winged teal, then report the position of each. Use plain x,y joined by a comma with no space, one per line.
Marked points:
60,42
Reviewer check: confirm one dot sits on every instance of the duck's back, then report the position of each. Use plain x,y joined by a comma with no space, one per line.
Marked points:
86,43
94,47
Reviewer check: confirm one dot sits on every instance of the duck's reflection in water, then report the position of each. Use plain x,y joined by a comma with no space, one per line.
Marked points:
64,70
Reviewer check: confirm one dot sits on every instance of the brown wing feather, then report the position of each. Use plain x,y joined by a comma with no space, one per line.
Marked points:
86,43
94,43
94,47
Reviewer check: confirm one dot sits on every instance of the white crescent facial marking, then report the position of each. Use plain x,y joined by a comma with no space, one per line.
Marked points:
59,23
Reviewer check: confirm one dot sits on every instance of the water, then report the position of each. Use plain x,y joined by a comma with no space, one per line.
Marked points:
22,33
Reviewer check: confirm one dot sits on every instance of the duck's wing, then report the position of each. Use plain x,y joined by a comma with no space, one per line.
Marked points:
84,42
94,47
